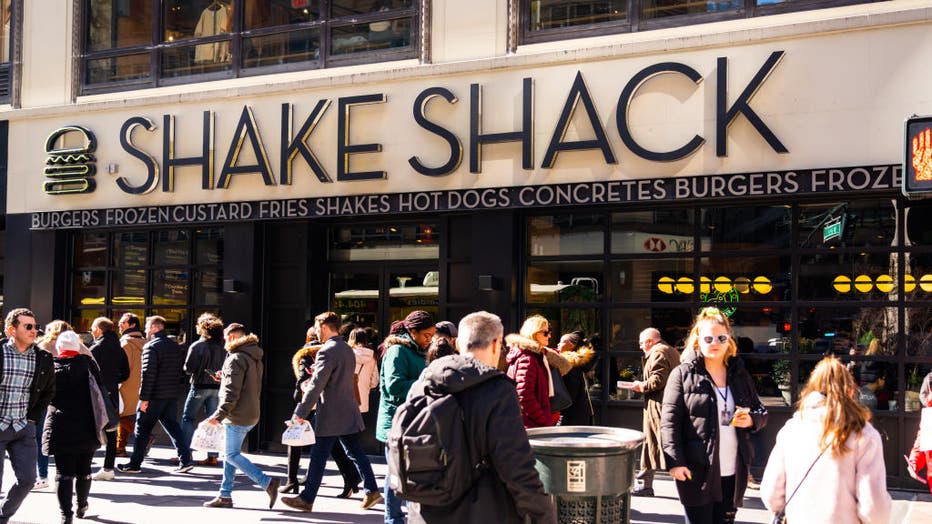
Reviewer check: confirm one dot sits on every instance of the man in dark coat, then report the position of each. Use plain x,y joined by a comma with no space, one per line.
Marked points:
660,359
337,418
27,383
509,490
114,369
205,358
162,372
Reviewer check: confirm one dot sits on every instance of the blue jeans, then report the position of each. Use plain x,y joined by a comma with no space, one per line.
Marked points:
393,513
197,398
20,446
235,435
164,412
320,452
42,462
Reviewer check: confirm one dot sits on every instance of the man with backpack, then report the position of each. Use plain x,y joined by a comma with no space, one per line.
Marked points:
458,451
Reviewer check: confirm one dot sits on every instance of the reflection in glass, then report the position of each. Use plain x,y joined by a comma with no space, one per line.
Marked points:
660,231
569,234
733,280
131,249
548,14
919,332
209,287
918,218
115,24
771,379
391,242
747,227
850,276
411,291
195,60
172,247
915,374
175,321
355,297
208,246
664,8
282,48
360,7
90,249
357,38
761,330
848,331
870,223
652,280
117,69
88,288
918,278
170,286
196,19
128,287
81,319
271,13
565,282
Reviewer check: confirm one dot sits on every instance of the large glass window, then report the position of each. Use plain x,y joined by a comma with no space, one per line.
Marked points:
145,43
543,20
174,273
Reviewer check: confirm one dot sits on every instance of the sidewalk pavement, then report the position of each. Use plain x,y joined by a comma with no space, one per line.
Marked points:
156,496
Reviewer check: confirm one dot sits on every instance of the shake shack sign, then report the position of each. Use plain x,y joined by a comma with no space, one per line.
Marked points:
771,184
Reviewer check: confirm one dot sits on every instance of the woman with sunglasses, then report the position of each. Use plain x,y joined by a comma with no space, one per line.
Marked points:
529,361
710,408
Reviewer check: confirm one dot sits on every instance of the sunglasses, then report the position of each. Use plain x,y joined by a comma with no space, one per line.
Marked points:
29,327
708,339
545,333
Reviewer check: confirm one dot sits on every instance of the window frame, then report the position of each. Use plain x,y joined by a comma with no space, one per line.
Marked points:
325,24
633,22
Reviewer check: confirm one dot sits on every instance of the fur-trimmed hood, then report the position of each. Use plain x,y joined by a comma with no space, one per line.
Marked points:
581,357
241,343
516,344
308,351
404,339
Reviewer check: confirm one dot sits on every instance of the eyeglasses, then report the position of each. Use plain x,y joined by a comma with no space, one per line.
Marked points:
545,333
722,339
29,327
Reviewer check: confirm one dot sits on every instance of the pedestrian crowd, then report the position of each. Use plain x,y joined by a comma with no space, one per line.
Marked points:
454,404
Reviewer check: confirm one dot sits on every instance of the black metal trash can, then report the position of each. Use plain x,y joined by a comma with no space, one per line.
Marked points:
588,471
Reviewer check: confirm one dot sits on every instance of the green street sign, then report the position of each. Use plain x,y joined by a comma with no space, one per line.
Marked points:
831,231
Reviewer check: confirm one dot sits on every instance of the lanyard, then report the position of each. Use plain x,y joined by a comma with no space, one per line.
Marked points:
725,396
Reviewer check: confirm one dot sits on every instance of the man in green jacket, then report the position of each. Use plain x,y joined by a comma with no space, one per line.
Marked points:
240,386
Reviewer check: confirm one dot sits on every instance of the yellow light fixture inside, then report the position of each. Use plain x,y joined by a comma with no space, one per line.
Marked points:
863,283
762,285
665,285
705,285
910,283
743,285
842,284
925,283
722,284
685,285
884,283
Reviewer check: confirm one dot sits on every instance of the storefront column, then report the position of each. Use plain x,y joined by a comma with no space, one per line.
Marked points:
34,269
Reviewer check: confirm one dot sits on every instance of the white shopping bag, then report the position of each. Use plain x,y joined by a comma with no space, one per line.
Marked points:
298,434
208,437
925,430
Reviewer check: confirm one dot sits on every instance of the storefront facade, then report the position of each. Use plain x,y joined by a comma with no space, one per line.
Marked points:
610,182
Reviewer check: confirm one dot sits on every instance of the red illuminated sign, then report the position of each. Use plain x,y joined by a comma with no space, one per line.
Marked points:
917,167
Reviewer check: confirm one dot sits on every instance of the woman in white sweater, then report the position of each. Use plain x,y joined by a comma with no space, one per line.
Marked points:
847,483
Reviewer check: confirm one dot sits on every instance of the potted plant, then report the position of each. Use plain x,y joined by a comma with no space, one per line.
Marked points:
781,375
913,382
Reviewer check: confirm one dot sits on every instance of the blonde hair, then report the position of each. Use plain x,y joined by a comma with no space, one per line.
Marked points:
715,316
844,415
874,347
52,330
534,324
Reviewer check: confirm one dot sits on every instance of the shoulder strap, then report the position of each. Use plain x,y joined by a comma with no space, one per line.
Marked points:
803,479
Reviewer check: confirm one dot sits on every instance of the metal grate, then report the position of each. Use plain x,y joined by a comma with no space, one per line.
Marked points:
592,510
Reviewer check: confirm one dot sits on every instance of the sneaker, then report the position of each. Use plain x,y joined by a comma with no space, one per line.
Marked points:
184,468
41,483
104,474
371,499
219,502
128,468
753,484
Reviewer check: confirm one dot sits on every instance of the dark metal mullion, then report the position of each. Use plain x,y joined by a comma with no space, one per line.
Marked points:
155,54
324,35
634,15
236,44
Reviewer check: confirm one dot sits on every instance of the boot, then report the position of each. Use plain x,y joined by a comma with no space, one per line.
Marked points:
82,487
65,490
294,462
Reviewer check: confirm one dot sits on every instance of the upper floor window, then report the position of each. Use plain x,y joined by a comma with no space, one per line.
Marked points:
545,20
6,48
146,43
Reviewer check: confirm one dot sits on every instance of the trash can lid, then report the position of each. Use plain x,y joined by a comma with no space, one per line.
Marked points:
584,437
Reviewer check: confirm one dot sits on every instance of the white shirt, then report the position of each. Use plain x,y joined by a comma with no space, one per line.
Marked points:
727,436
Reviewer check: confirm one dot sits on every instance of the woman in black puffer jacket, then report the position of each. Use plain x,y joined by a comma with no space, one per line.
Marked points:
710,408
71,433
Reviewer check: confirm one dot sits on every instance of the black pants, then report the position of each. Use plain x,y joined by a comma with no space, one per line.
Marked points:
73,477
716,512
344,464
110,454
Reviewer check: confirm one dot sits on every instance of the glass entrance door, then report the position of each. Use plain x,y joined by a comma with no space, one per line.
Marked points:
375,297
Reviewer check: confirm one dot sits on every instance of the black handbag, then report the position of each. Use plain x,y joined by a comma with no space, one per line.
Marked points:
780,516
561,396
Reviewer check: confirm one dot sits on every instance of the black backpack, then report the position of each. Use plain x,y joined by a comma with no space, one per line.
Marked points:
429,456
